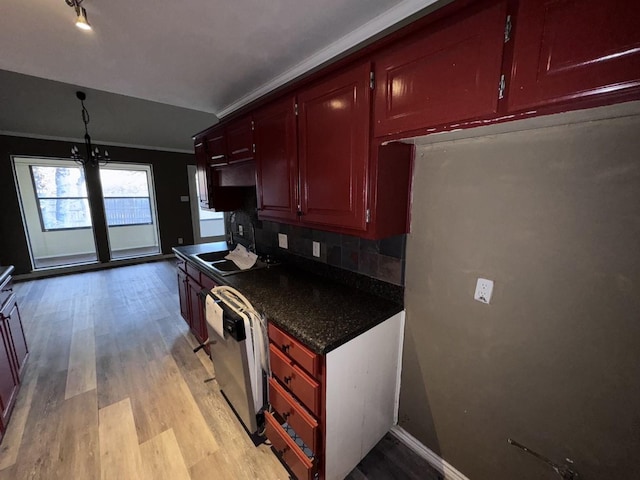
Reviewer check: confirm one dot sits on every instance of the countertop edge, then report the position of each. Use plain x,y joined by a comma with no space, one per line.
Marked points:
6,271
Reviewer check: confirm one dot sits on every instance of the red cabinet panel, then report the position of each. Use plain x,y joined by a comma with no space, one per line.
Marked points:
449,73
196,310
8,376
183,296
216,147
16,332
239,138
334,149
569,49
277,161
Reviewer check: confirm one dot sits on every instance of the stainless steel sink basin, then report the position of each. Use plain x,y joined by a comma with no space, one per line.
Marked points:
224,267
213,256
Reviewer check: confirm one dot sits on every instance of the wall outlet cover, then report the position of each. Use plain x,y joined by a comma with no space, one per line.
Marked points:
484,289
316,249
184,198
180,240
282,240
241,230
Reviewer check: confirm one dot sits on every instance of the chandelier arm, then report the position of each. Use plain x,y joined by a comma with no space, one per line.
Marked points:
74,3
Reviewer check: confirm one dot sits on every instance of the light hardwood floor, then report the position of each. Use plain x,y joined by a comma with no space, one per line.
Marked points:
112,390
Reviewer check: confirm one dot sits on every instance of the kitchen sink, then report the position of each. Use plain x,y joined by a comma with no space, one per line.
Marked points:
213,256
224,267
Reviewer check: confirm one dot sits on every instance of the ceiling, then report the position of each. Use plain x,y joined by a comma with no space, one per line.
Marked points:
204,58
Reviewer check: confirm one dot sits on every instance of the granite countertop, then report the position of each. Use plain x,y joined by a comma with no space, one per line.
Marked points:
320,313
5,272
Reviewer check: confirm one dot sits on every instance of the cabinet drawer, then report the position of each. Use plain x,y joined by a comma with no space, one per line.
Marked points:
305,388
304,424
299,353
181,264
286,448
193,272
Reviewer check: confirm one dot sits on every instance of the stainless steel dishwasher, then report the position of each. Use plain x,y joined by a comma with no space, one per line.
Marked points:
237,336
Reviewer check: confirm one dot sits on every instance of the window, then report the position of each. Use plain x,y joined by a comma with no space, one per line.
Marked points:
61,194
126,197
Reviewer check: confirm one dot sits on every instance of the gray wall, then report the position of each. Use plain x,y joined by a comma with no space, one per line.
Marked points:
553,217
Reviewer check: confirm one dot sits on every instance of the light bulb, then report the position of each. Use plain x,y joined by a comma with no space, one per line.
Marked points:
81,21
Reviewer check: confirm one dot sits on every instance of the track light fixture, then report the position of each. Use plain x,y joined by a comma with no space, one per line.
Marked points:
93,157
81,22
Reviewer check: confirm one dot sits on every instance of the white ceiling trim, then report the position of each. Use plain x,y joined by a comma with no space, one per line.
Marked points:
81,141
366,31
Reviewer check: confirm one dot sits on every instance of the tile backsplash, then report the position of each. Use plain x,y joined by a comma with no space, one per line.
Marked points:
380,259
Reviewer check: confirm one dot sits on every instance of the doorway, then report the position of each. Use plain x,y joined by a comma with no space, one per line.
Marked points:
208,226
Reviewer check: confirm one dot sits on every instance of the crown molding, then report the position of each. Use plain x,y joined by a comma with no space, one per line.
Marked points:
81,140
389,18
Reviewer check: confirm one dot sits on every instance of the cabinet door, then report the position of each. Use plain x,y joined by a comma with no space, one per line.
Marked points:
449,73
216,147
334,149
196,307
202,169
277,161
568,49
8,378
240,140
183,295
16,334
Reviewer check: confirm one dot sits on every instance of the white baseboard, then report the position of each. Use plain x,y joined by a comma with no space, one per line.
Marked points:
448,471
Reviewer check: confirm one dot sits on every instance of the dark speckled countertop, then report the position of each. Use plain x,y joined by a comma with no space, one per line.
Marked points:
320,313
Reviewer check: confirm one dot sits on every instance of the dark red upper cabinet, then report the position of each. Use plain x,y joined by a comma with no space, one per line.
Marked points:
216,147
571,50
275,134
239,138
451,72
334,149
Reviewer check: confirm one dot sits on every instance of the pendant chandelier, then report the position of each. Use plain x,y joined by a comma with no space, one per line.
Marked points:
93,156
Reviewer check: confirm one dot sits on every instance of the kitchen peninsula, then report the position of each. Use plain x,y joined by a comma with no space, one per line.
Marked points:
334,339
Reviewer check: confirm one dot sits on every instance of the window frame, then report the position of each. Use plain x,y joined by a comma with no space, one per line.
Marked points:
38,198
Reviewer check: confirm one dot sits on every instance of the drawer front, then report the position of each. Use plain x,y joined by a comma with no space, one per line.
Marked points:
297,461
303,387
304,424
181,264
299,353
193,272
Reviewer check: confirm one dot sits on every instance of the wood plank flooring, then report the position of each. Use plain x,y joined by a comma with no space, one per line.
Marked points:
113,390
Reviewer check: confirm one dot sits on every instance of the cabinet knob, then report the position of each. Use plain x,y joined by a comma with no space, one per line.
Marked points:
286,415
285,348
300,213
287,380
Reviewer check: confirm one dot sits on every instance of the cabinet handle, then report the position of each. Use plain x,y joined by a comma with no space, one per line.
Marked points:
287,380
300,213
285,348
284,450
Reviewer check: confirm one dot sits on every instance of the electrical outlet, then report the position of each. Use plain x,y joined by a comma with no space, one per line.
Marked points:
484,289
283,241
180,240
316,249
241,230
